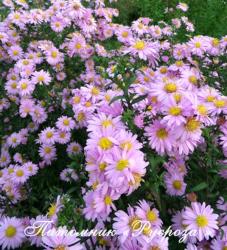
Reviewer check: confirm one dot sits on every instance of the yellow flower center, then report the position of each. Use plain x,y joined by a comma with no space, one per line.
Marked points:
108,200
52,210
75,148
137,180
198,45
155,248
224,248
201,221
151,216
122,164
192,79
78,46
81,116
210,98
140,45
49,134
215,42
19,173
41,78
219,103
57,24
15,52
179,63
106,123
25,62
14,85
163,70
60,247
88,104
76,99
24,85
47,150
95,91
177,184
66,122
10,231
202,109
54,54
124,34
192,125
175,111
135,223
162,133
126,145
105,143
170,87
10,170
102,166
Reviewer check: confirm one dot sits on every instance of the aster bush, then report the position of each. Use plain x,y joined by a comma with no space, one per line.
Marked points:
108,126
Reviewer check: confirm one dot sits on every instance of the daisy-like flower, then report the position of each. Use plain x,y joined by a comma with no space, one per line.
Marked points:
61,240
15,52
11,233
123,165
198,45
41,77
53,56
74,148
126,224
68,174
63,137
145,212
201,218
20,174
182,6
14,140
175,184
47,152
160,137
25,87
30,168
65,123
143,50
47,136
26,107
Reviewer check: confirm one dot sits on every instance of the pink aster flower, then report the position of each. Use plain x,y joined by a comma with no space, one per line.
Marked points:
41,77
65,123
20,174
74,148
47,136
15,52
125,224
47,152
61,240
201,218
11,233
26,107
146,212
182,6
25,87
160,137
30,168
63,137
123,165
175,184
143,49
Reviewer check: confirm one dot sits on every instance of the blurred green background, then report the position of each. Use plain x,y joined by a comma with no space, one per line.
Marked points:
208,16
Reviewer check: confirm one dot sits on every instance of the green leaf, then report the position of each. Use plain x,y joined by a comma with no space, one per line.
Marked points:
199,187
116,98
139,99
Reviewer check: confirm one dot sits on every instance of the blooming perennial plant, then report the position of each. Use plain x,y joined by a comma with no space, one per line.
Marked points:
110,126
